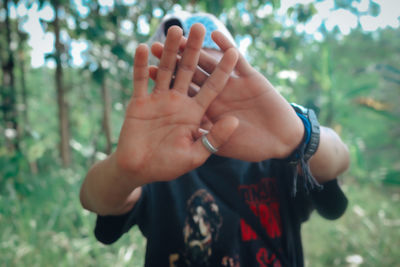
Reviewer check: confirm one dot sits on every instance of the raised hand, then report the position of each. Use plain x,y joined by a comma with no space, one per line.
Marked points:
159,139
268,126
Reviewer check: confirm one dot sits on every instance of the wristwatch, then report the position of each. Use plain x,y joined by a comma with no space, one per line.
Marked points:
312,130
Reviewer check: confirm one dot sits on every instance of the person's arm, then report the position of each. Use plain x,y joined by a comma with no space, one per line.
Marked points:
331,158
160,127
107,190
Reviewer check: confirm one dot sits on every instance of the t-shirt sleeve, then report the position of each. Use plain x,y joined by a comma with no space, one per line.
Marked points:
330,202
109,229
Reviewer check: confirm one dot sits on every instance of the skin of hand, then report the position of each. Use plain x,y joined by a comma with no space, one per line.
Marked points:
268,125
159,137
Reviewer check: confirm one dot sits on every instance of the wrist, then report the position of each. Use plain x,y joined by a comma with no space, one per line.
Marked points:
107,189
123,171
299,134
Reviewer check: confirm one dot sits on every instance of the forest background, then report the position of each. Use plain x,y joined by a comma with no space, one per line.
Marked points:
61,109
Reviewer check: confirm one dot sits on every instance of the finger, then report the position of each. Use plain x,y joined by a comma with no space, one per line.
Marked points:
168,59
200,76
193,89
216,82
188,63
153,75
198,79
157,48
205,127
219,134
206,124
182,44
207,62
243,67
140,71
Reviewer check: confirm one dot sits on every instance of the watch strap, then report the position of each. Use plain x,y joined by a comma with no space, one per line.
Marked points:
298,160
315,133
311,129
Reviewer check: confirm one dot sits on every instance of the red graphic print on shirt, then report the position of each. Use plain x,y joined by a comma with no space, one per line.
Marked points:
266,260
263,201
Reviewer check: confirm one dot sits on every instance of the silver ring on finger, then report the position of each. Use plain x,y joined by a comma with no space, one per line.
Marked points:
208,145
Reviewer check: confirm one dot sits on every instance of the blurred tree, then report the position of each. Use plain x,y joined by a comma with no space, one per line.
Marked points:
101,29
60,55
61,90
25,129
21,60
8,92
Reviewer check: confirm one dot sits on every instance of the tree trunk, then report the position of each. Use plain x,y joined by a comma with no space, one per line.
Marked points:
25,125
9,94
106,113
24,93
61,93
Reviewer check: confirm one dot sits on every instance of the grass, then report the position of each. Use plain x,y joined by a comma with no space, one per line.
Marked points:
43,224
48,227
367,235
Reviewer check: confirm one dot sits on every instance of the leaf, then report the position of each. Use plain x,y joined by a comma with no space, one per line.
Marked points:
357,91
98,75
276,4
118,50
392,177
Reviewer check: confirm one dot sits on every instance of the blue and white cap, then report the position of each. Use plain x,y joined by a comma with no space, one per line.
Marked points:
185,20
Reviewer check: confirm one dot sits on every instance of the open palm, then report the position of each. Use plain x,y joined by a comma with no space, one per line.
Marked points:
159,138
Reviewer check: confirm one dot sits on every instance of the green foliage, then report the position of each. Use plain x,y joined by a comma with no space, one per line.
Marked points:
353,82
46,226
367,232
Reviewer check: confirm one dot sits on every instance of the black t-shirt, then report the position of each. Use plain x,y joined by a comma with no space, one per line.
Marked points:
192,221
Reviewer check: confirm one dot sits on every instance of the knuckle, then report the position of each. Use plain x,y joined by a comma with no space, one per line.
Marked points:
201,103
164,68
225,69
170,50
187,67
140,76
211,85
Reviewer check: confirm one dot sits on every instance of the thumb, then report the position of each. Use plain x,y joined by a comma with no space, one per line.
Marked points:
218,136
